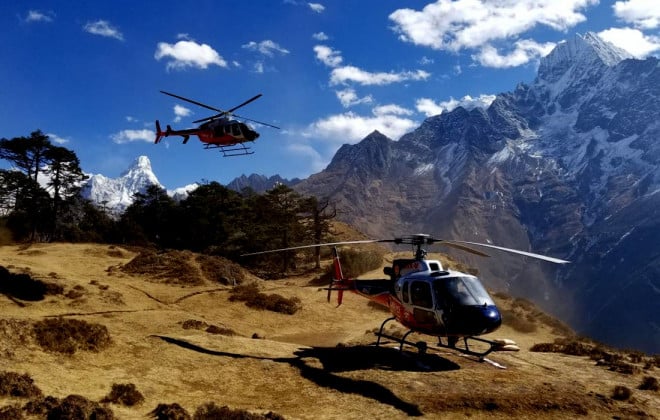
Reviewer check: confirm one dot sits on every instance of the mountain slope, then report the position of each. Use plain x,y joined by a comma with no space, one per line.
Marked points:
557,166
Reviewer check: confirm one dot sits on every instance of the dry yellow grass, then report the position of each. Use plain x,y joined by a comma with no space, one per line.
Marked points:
294,368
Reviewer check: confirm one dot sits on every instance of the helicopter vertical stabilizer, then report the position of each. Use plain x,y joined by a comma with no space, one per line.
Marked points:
159,134
337,282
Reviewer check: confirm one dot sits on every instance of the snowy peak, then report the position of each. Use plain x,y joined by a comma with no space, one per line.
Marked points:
116,194
579,54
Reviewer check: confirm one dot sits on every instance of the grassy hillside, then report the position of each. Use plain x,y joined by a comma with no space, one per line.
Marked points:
128,333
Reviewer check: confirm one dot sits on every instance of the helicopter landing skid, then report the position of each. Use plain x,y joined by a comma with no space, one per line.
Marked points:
422,346
227,151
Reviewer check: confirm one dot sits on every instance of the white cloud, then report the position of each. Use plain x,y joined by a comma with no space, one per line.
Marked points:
129,136
103,28
454,25
180,112
644,14
457,24
346,74
425,61
316,7
391,109
524,51
351,128
266,47
57,139
131,119
258,67
39,16
349,98
320,36
430,108
632,40
328,56
188,54
306,153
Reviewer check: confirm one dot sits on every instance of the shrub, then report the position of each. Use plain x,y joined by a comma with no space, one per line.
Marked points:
61,335
649,383
210,411
76,407
13,384
124,394
194,324
214,329
621,393
356,262
253,298
11,412
23,287
172,267
170,412
221,270
42,406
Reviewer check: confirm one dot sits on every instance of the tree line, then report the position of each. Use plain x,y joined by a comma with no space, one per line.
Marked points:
40,200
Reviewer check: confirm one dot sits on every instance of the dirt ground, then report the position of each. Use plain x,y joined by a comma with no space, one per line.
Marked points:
316,363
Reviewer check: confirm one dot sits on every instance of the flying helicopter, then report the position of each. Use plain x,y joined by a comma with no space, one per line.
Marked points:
426,298
219,131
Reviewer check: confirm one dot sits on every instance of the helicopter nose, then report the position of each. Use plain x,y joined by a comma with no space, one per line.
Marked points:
491,318
475,320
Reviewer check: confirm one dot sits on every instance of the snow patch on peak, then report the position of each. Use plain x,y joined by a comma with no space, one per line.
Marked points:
582,52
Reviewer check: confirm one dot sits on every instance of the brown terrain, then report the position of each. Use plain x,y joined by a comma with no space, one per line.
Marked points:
139,335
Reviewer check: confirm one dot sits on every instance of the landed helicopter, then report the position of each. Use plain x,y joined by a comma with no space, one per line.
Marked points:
217,131
428,299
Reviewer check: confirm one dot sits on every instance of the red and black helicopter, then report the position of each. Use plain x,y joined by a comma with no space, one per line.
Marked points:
218,131
426,298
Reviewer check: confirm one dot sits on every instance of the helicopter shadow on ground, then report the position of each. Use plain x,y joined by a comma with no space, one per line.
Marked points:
345,359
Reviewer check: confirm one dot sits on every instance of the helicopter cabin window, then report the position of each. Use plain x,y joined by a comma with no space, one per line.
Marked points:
461,290
420,292
404,292
235,130
433,266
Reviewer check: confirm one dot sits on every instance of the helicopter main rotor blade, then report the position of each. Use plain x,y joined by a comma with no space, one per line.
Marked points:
244,103
514,251
464,248
223,113
367,241
194,102
209,118
255,121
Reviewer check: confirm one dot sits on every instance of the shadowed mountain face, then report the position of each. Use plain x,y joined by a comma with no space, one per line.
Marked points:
566,166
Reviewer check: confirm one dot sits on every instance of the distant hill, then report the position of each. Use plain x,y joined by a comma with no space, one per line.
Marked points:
260,183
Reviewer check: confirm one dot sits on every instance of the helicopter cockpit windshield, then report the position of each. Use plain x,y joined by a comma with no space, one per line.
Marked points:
462,290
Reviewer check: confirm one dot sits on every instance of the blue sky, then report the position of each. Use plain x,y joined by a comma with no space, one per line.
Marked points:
88,73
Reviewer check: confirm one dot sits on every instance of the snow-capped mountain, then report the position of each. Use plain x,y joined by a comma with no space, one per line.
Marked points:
568,165
116,194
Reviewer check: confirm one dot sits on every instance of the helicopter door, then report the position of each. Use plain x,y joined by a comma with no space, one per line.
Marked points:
422,301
